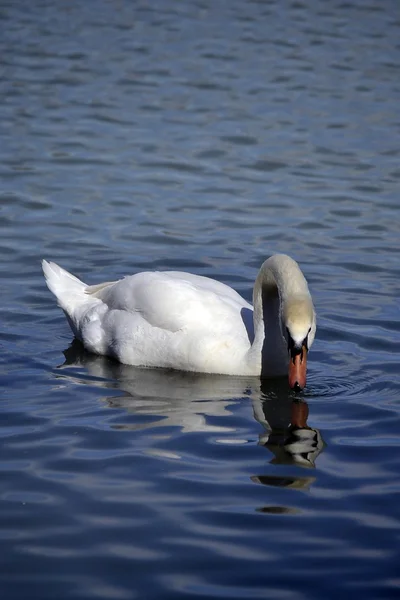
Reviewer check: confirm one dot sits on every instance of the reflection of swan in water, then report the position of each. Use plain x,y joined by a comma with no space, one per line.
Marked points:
178,398
288,435
187,400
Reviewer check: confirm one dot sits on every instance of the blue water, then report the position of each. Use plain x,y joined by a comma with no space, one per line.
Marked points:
201,136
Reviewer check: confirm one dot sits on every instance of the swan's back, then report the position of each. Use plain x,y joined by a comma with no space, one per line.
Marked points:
174,300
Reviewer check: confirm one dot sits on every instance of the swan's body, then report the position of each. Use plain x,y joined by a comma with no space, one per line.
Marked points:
192,323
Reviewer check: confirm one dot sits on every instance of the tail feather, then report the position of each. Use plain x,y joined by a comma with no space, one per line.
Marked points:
68,289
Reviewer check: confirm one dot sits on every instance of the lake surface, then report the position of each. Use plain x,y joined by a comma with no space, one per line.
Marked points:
200,136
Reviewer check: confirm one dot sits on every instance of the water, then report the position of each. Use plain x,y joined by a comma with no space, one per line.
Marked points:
200,136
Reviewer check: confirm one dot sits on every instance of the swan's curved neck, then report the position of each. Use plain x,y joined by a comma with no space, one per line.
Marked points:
279,281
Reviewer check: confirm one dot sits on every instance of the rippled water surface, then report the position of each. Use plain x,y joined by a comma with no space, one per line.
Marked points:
201,136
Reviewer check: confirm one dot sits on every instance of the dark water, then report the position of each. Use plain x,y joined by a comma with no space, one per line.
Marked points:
200,136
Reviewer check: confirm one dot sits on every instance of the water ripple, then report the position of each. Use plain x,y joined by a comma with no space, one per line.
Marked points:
202,137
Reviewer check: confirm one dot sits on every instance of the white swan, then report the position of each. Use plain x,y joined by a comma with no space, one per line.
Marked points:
192,323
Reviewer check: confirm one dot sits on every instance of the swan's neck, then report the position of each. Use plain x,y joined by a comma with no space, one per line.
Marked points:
279,281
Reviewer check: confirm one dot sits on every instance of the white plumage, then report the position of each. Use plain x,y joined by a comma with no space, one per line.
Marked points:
188,322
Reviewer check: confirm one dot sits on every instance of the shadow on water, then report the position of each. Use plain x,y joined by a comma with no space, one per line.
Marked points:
162,398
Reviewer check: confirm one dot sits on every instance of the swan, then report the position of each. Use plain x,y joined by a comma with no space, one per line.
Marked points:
189,322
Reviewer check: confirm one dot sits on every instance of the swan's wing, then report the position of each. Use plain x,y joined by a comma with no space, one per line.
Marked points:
174,301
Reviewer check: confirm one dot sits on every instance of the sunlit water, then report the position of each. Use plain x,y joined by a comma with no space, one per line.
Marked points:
201,136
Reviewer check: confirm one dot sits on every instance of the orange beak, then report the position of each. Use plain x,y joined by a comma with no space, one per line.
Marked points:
298,369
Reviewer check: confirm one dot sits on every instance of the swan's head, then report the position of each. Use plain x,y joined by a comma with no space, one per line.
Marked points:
299,325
